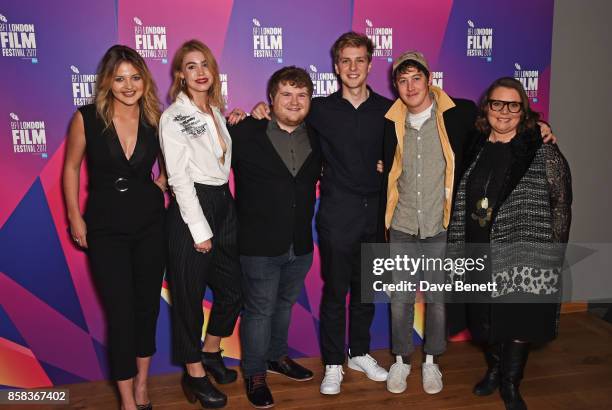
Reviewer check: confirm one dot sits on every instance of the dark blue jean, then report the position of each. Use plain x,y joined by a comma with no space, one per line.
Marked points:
271,285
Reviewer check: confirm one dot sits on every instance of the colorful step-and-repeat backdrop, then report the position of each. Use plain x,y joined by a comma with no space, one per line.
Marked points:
51,325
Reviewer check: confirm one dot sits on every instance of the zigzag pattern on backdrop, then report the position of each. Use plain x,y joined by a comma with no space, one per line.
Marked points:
52,328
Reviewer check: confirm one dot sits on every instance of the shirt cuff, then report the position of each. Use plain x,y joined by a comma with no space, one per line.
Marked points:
200,232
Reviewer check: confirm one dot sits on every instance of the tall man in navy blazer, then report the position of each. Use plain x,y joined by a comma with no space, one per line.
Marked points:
277,164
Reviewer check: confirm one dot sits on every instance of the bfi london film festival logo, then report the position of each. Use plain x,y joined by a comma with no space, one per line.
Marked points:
324,83
382,38
83,87
224,94
529,79
479,41
29,137
267,42
151,41
18,40
437,78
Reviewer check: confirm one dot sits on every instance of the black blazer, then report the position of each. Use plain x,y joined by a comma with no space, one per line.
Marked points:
274,208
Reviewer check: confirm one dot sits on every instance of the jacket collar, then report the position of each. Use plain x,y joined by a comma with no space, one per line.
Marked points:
399,111
524,147
187,105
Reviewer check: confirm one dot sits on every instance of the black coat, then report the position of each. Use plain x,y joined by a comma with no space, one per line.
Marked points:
534,207
274,208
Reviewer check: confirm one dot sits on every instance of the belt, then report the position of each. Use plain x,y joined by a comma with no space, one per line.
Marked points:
205,187
120,184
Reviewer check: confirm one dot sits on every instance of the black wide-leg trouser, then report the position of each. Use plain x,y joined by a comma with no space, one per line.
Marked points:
190,272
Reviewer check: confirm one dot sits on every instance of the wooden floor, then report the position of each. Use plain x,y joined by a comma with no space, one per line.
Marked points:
573,372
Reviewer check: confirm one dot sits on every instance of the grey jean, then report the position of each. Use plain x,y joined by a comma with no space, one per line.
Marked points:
402,306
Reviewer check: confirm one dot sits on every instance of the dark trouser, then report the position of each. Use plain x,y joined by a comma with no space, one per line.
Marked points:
344,221
402,306
271,285
189,272
128,271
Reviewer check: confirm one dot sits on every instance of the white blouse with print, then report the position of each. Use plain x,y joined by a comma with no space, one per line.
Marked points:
193,153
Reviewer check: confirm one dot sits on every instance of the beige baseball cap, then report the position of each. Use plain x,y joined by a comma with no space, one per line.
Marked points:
411,55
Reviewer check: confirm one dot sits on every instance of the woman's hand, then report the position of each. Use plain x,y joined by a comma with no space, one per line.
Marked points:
380,166
203,247
261,111
235,116
78,231
162,183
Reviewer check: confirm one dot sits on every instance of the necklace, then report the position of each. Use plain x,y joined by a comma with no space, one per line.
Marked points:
483,211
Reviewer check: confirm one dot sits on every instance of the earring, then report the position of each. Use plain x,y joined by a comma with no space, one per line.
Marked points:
182,82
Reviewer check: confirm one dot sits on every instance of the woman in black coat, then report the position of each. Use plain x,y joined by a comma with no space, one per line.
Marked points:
516,199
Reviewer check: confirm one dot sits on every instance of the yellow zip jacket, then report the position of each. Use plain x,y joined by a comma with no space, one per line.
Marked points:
397,113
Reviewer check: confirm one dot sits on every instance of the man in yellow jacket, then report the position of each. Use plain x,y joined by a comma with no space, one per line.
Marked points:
433,133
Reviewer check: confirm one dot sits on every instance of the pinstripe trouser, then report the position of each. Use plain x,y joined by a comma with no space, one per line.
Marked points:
190,272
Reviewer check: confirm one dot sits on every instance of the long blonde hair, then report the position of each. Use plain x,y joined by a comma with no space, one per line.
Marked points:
215,99
150,107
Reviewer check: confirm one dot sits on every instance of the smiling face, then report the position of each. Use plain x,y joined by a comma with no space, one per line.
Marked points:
504,122
290,104
196,73
413,89
353,66
127,85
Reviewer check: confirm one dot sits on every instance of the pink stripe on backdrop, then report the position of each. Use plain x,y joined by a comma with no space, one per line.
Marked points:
52,338
314,284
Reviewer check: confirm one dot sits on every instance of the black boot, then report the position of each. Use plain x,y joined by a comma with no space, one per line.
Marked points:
200,388
490,381
514,358
257,391
214,366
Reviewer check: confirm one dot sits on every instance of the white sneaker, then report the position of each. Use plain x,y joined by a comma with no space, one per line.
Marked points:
432,378
398,373
332,380
369,366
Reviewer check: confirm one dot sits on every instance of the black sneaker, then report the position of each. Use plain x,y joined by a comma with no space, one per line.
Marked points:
290,369
214,366
257,391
